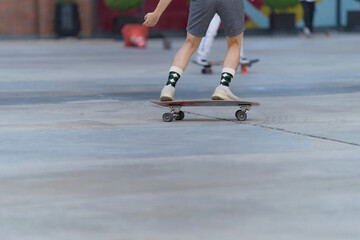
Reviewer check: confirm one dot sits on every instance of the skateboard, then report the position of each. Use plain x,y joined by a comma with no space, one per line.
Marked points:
177,114
244,67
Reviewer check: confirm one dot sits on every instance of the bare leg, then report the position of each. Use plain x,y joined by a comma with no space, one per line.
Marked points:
231,63
180,62
232,57
182,57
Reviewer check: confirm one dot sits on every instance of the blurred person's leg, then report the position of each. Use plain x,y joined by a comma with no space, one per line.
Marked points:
311,15
207,41
307,17
243,58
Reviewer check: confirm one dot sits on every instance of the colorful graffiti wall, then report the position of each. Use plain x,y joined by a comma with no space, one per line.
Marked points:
257,13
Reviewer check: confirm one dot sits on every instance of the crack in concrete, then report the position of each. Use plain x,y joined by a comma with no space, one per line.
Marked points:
279,130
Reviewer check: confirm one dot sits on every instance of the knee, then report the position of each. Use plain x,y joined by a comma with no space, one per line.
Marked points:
234,44
192,43
234,41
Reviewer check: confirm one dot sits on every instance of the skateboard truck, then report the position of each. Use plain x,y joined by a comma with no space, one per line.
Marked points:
175,113
207,69
241,114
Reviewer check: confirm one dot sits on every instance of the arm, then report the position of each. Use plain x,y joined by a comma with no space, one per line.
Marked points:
152,18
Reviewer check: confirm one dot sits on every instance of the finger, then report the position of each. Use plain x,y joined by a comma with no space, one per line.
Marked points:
146,23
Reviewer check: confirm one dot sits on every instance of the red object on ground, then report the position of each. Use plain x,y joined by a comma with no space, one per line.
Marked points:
135,35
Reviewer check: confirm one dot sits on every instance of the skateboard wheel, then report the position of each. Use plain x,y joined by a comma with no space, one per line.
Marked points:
168,117
241,115
167,43
206,71
244,70
180,116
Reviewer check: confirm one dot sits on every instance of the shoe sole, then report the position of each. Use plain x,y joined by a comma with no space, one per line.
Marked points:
216,98
166,99
221,97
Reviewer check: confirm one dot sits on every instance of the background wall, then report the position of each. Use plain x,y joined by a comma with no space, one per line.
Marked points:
257,14
36,17
325,15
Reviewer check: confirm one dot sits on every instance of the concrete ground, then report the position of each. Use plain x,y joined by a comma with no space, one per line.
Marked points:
85,155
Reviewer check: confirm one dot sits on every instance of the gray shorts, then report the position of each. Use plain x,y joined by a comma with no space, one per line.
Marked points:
231,13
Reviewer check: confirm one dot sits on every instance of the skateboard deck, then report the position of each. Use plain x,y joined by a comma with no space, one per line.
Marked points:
177,114
244,67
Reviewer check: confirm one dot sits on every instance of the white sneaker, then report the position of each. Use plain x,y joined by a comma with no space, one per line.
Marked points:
307,32
167,93
223,93
244,60
199,60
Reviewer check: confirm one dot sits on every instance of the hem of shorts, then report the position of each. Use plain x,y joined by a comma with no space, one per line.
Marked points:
234,35
196,35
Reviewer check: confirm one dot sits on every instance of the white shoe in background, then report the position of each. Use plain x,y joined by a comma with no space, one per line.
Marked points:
244,60
199,60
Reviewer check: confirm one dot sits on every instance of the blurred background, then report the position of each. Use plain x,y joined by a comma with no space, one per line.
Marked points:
85,155
105,18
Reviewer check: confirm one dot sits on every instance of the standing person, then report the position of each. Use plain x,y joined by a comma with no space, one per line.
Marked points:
206,43
309,9
231,13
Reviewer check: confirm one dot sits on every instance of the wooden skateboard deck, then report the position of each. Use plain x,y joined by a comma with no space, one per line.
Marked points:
177,114
244,67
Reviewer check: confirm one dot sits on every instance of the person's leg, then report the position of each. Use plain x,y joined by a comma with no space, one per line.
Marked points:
178,66
307,15
201,13
207,41
231,63
243,58
184,54
232,56
305,6
233,18
311,15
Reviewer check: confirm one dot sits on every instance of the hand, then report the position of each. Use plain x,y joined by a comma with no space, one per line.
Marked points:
151,19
